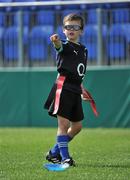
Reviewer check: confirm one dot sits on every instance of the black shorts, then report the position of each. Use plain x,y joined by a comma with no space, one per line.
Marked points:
70,106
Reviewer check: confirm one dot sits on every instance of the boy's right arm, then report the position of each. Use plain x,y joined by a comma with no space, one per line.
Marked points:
56,41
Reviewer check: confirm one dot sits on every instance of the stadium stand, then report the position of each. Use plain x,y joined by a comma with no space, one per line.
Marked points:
59,30
1,41
92,16
45,17
126,30
11,48
11,44
65,12
49,20
116,47
25,18
2,18
90,39
120,16
38,44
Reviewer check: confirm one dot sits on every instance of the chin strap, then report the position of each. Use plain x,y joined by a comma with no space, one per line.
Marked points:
86,96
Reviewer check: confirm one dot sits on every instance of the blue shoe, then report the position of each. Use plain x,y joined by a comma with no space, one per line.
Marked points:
53,159
56,167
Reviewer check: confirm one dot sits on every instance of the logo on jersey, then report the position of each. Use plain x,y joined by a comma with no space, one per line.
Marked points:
76,52
81,69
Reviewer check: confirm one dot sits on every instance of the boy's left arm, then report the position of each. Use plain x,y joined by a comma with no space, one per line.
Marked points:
84,94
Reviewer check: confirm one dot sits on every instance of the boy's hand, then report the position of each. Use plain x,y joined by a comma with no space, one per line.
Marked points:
56,40
85,95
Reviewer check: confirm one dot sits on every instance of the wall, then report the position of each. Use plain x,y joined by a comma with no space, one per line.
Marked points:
23,92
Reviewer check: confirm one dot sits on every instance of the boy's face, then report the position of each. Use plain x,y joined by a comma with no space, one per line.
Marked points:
72,30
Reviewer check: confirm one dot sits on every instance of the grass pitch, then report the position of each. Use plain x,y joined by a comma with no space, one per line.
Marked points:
100,154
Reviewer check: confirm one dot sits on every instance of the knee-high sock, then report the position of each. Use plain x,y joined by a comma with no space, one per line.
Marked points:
62,142
55,150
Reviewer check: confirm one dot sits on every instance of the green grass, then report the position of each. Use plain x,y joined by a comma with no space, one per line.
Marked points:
100,154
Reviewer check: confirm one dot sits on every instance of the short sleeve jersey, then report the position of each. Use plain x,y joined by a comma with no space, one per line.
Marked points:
72,62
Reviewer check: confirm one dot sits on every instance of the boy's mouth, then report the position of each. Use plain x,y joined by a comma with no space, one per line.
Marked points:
71,33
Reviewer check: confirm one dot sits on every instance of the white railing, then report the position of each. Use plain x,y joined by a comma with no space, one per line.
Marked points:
54,3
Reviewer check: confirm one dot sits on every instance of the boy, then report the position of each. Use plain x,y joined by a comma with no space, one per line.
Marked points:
64,100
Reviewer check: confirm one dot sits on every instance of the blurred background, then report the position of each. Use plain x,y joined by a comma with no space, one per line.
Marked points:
25,29
27,59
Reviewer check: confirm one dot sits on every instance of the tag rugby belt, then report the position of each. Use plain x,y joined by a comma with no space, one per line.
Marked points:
86,96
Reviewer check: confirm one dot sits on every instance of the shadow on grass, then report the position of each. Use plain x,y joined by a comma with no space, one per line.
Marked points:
104,165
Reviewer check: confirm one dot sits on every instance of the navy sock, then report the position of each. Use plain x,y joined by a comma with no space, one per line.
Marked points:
69,138
62,141
55,150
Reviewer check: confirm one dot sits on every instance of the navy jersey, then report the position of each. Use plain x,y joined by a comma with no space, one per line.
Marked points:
72,62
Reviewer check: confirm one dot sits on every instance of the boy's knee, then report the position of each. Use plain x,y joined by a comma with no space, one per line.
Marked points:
77,128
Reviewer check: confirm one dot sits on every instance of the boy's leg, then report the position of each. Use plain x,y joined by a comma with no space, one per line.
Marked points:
54,154
73,130
55,150
60,150
62,137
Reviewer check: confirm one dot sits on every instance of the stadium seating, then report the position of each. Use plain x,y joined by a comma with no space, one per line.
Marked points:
11,44
59,31
11,48
90,39
1,33
66,12
2,18
92,17
48,31
119,5
45,17
1,41
45,22
126,29
38,44
25,17
116,46
120,16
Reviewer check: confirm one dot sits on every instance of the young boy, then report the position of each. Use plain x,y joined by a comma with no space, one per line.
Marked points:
64,100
